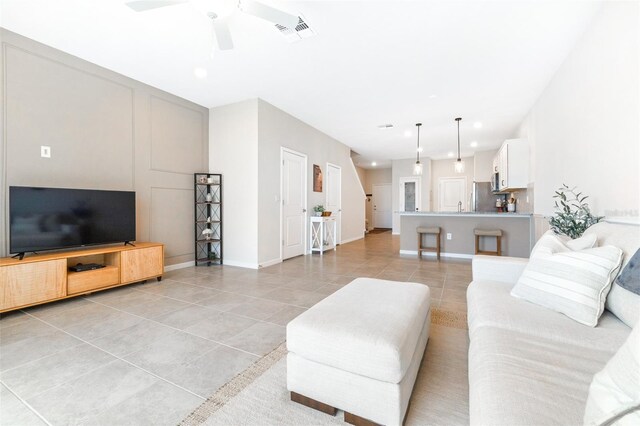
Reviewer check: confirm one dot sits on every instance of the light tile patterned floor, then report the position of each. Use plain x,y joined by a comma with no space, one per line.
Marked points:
151,353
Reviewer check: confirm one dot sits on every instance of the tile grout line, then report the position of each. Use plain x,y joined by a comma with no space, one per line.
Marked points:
169,326
117,358
200,306
26,404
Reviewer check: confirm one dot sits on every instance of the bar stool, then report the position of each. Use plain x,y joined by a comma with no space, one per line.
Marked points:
489,233
434,230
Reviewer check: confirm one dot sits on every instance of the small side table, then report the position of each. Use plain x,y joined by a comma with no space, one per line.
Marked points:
322,233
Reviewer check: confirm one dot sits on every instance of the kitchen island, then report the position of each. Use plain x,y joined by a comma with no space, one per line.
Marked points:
517,232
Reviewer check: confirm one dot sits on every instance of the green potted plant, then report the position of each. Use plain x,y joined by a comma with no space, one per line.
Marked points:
572,216
319,209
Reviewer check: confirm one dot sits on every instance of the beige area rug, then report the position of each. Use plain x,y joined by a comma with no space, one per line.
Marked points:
259,396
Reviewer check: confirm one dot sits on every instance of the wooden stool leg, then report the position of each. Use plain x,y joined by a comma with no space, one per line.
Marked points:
438,246
420,245
499,245
477,243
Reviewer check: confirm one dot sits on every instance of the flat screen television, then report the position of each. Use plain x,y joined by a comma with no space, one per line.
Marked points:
56,218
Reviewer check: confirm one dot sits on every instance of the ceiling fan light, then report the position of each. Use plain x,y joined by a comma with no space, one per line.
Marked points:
459,166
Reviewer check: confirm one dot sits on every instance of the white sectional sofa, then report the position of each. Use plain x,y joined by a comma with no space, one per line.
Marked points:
529,365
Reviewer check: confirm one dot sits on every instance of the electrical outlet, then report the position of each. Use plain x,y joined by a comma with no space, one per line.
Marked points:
45,151
449,235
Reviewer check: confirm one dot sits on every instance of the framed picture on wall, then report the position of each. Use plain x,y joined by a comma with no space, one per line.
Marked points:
317,178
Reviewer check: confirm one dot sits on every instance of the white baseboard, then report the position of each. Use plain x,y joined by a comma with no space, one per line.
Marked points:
269,263
350,240
240,264
432,254
179,266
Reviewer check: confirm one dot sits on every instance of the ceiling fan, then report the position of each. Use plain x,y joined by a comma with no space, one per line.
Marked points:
284,21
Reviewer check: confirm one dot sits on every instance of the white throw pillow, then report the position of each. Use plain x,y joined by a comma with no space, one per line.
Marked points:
574,283
550,242
614,394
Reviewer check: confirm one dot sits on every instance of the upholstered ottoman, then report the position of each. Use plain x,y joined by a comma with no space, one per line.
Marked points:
359,350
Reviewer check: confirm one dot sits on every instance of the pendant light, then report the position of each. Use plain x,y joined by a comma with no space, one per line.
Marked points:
458,166
417,169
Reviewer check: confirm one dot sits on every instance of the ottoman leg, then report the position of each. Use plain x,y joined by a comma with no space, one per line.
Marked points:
312,403
357,420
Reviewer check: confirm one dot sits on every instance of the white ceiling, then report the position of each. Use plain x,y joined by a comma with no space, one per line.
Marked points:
370,63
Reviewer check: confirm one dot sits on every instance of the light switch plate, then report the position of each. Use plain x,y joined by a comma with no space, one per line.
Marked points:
449,235
45,151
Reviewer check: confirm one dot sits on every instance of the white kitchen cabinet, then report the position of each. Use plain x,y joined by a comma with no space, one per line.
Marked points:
513,164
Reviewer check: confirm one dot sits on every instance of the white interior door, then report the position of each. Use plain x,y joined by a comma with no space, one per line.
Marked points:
381,199
410,191
334,196
294,203
451,192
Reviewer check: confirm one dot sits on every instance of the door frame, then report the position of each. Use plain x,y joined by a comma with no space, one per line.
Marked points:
443,179
338,237
418,181
373,215
306,202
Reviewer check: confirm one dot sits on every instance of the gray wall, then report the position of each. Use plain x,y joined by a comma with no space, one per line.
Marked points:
245,142
234,153
278,129
106,131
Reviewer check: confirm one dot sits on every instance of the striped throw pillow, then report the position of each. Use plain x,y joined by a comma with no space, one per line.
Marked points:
574,283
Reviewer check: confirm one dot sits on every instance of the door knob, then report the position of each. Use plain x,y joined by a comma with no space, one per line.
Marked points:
304,210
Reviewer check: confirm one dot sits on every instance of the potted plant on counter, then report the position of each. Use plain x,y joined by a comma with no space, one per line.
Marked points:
572,216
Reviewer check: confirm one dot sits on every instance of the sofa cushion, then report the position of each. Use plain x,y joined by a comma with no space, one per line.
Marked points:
551,242
490,304
523,379
369,327
623,303
574,283
614,394
629,278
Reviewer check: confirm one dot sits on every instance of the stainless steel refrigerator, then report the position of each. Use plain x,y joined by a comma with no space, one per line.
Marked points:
482,198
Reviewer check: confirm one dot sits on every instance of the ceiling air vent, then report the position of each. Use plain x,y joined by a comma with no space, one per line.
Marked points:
302,30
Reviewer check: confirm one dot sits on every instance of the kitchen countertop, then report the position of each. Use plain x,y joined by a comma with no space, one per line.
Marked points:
466,214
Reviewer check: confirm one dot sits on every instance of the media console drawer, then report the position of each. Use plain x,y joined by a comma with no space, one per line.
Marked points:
79,282
141,263
29,283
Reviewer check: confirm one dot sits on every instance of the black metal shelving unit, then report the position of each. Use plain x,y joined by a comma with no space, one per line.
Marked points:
208,218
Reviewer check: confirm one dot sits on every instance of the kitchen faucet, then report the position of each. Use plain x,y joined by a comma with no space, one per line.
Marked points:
459,206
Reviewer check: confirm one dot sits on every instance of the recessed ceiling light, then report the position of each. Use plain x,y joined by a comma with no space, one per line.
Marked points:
477,125
420,149
450,154
373,164
385,126
407,133
433,96
473,144
200,72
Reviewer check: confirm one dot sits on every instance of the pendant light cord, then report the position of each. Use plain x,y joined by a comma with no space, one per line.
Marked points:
418,147
458,120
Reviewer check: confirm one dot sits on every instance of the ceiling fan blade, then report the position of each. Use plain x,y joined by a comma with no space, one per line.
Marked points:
223,35
144,5
269,13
